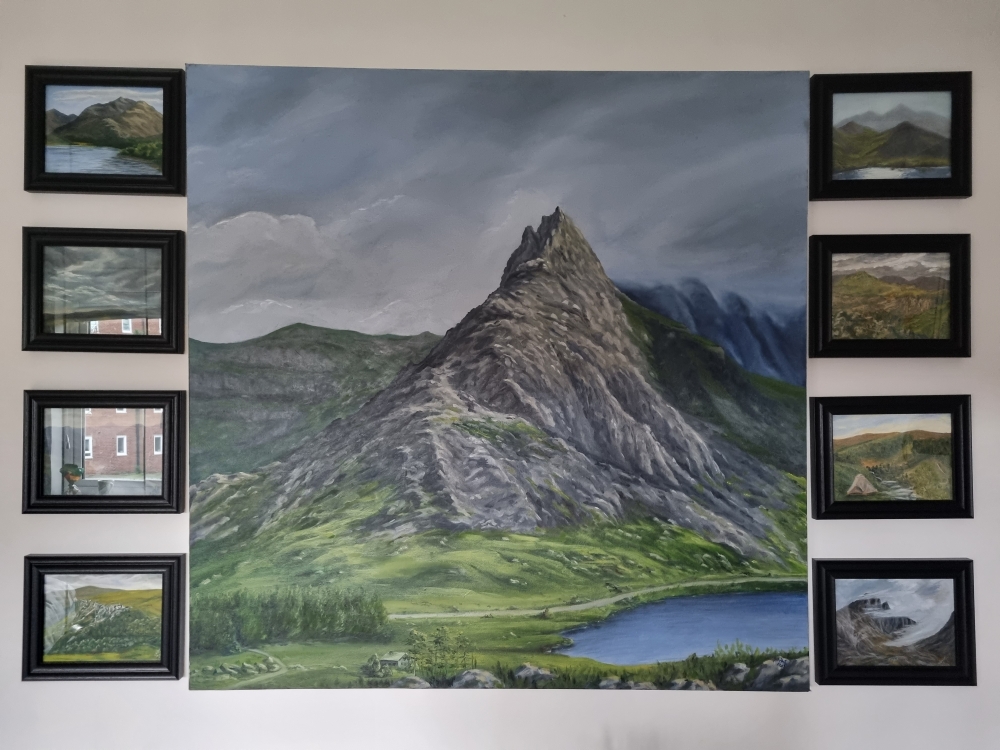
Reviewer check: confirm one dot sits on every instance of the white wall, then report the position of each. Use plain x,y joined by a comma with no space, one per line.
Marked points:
831,36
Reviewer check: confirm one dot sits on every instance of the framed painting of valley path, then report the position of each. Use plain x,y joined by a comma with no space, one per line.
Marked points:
103,617
104,130
889,295
103,451
102,290
894,622
891,457
891,135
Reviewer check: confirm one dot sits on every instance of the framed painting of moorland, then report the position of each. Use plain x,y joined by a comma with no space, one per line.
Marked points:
102,290
891,135
889,295
104,130
891,457
103,617
507,389
894,622
103,452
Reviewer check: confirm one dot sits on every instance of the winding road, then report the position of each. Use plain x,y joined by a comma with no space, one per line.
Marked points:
264,677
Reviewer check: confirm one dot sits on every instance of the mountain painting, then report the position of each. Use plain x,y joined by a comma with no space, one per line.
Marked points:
899,622
104,130
103,617
497,379
892,457
892,135
891,295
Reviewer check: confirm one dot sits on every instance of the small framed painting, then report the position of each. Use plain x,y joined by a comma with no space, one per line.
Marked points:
889,295
890,135
891,457
111,617
103,452
104,130
103,290
894,622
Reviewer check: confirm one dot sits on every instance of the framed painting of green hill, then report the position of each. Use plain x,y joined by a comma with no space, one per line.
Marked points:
114,617
104,130
889,295
891,135
891,457
495,381
894,622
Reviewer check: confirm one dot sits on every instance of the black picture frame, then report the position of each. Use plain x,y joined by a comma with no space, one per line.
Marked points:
821,411
171,498
172,181
822,248
169,667
822,186
828,672
171,245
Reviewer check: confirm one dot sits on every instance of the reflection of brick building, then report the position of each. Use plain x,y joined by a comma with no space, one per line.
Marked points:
122,441
119,326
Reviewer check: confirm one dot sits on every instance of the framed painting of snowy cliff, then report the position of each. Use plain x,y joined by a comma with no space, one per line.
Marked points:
104,130
891,457
894,622
497,379
891,135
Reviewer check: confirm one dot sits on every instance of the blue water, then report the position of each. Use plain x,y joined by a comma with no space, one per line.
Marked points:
673,629
94,160
894,173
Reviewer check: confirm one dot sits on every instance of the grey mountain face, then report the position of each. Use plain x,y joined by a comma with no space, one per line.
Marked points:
536,410
766,343
901,113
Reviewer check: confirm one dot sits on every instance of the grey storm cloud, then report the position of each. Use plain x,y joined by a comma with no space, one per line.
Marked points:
93,283
390,200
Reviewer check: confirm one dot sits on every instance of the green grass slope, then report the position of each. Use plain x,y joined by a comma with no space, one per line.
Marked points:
917,460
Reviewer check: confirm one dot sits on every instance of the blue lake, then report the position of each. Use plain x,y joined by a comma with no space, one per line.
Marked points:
894,173
94,160
673,629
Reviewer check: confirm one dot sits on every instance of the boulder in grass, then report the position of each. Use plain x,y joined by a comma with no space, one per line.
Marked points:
783,675
534,675
411,682
735,674
610,683
691,685
476,678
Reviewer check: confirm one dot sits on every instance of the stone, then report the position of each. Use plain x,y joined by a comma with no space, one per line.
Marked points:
411,682
476,678
691,685
735,674
643,686
610,683
533,674
783,675
272,667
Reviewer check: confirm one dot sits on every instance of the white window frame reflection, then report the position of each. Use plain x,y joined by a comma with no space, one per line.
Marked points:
95,326
121,411
88,446
126,325
157,445
121,445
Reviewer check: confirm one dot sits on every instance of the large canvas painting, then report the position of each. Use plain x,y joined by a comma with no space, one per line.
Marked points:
497,379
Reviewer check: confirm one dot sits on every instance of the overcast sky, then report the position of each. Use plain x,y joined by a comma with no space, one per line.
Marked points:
124,581
849,425
928,601
846,106
908,265
79,280
389,201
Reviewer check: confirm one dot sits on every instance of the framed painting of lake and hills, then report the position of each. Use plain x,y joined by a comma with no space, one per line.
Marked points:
104,130
891,457
114,617
894,622
890,295
508,389
103,451
102,290
891,135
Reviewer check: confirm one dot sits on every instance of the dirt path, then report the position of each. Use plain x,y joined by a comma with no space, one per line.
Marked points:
264,677
591,604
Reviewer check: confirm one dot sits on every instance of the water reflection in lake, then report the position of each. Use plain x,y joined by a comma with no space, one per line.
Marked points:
94,160
893,173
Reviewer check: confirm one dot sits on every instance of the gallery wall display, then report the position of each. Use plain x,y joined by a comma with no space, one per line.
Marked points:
891,135
103,617
103,451
103,290
891,457
472,353
104,130
889,295
894,622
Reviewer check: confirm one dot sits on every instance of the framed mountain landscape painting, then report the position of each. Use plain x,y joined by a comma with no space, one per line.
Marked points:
894,622
111,617
104,130
891,135
891,457
495,381
889,295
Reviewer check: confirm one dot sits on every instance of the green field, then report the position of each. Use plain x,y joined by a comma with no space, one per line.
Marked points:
865,307
109,625
919,461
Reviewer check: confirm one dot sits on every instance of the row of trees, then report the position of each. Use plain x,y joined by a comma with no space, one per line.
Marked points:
244,618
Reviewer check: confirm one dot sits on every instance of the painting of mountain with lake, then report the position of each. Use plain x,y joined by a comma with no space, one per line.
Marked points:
104,130
892,135
454,422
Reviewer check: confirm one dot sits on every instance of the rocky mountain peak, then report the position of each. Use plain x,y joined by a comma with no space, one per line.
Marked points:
557,246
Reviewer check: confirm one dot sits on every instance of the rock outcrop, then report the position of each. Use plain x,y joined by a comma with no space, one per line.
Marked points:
476,678
783,675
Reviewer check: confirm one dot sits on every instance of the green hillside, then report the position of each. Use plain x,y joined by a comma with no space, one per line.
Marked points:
917,461
865,307
254,401
906,145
